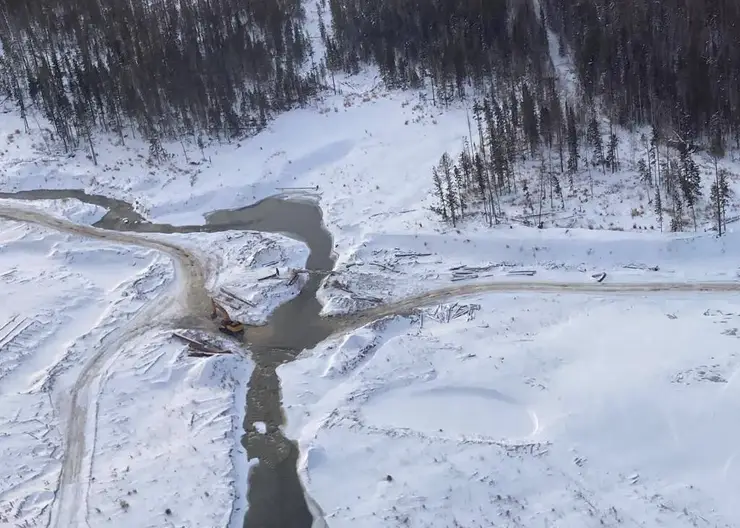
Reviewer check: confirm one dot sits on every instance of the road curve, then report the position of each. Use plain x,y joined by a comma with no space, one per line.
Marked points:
185,295
443,294
190,297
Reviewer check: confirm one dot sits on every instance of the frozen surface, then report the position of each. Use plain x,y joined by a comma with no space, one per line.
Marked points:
541,411
160,415
69,209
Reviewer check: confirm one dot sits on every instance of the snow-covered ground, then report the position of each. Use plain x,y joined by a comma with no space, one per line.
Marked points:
537,411
541,410
391,267
160,416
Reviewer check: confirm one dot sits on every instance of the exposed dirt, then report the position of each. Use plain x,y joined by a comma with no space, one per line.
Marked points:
276,497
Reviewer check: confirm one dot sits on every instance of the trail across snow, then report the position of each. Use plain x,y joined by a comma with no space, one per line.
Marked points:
187,295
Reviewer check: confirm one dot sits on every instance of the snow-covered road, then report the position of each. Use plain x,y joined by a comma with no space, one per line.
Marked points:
186,295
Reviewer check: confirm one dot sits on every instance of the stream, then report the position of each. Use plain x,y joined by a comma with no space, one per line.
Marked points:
276,496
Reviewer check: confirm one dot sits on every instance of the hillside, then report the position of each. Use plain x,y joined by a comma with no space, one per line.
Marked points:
488,161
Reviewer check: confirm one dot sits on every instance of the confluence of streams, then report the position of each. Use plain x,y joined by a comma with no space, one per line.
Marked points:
276,496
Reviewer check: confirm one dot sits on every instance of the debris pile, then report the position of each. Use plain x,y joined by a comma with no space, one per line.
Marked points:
355,297
643,267
444,313
198,344
465,272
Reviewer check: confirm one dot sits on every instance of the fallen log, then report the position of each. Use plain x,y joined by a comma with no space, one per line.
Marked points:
525,273
231,294
231,303
464,277
273,276
367,299
314,188
199,346
383,266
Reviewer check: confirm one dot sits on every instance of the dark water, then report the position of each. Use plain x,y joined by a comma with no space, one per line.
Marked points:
276,496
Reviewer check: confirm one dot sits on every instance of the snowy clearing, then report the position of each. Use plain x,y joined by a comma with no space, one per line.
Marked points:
541,410
586,409
157,414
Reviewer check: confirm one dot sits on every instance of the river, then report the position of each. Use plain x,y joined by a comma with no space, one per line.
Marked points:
276,496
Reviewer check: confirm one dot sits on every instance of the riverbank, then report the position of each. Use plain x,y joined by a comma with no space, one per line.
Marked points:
159,415
530,409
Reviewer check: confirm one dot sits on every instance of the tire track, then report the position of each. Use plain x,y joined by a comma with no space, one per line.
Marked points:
185,295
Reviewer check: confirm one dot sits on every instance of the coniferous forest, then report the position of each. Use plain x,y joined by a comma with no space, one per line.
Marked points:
223,68
163,68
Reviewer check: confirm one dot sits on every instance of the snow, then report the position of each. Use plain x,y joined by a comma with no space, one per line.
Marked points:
544,410
179,416
159,415
69,209
539,409
237,259
261,427
391,267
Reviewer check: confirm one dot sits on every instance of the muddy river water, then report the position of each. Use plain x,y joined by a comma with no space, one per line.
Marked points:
276,496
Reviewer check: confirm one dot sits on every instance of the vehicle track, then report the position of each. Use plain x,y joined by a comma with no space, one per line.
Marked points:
187,296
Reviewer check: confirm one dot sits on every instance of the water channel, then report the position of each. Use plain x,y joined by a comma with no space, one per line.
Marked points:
276,496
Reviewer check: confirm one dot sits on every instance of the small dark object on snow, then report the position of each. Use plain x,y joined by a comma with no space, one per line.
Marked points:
599,276
389,478
168,512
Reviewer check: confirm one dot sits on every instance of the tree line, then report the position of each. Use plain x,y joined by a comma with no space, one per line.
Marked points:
445,44
222,68
673,64
160,67
529,146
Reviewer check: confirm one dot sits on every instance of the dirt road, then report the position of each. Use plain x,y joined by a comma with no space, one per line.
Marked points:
185,295
443,294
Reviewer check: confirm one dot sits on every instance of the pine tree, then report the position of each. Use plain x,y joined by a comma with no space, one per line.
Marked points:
460,188
529,120
450,194
659,207
528,205
573,155
481,185
644,176
441,207
677,217
690,178
594,139
719,198
612,155
558,189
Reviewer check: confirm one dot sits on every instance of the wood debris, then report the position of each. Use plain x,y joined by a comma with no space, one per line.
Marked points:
599,276
524,273
468,272
314,188
641,267
444,313
272,276
355,297
412,255
234,296
198,348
